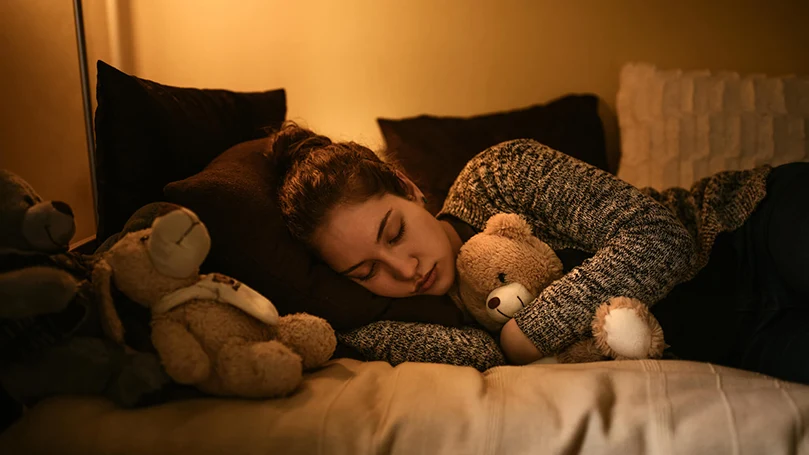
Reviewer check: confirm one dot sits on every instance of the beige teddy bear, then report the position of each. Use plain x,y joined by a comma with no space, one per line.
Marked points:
210,331
503,269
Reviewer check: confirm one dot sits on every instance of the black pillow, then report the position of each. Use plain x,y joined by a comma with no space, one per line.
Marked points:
433,150
149,134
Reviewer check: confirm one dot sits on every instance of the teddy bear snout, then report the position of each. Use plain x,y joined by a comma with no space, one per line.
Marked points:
179,243
505,301
62,207
49,226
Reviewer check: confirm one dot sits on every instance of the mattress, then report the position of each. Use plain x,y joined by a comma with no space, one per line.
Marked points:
352,407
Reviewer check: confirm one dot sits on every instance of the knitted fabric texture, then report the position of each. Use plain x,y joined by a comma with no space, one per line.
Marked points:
644,242
397,342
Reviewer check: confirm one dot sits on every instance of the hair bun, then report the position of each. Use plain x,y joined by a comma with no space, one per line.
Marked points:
292,144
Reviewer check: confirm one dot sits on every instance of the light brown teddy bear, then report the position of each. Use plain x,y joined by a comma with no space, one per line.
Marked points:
210,331
503,269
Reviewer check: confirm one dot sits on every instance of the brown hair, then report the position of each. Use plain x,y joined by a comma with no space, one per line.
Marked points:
318,174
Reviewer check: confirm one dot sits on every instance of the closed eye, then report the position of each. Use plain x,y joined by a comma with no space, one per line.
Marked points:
399,235
28,200
369,275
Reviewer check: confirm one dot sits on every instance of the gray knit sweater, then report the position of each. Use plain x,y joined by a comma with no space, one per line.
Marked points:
644,242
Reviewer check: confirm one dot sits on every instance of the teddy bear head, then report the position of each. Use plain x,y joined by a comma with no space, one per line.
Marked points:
503,269
158,268
27,222
149,263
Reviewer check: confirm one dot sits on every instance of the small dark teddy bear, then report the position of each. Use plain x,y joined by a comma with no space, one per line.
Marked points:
51,341
210,331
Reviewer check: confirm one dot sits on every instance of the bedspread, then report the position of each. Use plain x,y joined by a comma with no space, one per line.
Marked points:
351,407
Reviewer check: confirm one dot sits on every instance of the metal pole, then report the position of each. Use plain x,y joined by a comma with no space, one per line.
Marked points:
88,106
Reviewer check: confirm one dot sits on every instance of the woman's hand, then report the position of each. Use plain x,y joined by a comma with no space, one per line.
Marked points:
517,348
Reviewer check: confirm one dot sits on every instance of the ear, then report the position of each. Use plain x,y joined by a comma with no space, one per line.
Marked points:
102,287
413,191
509,225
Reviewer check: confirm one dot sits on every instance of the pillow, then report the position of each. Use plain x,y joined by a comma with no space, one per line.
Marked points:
679,126
433,150
148,135
235,197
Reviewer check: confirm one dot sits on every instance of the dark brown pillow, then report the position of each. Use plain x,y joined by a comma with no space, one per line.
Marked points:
234,196
433,150
149,134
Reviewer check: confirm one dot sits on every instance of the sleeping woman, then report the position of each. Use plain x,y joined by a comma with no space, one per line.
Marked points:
724,265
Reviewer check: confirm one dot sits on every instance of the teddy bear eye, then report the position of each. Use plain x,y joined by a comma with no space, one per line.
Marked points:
502,278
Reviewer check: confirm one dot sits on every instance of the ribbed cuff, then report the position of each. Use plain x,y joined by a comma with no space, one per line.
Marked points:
550,329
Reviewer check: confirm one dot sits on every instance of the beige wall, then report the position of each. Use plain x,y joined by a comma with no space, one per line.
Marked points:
42,135
346,62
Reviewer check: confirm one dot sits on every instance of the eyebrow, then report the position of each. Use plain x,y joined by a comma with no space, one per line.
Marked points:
381,230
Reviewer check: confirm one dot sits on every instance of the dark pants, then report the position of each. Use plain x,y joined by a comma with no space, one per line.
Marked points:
749,307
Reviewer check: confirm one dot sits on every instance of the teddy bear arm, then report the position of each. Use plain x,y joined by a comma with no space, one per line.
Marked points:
309,336
181,354
34,291
258,370
102,288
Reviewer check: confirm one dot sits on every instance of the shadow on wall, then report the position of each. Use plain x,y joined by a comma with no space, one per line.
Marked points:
612,135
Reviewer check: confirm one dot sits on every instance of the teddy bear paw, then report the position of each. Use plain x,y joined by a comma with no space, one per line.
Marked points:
277,369
628,334
309,336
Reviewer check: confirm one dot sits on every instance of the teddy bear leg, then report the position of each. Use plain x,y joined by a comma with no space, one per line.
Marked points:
258,370
309,336
624,328
181,354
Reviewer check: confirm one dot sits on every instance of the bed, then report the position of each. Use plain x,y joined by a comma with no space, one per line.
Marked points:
195,147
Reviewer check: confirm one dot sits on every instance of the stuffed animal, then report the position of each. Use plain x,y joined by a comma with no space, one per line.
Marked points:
210,331
50,340
35,276
503,269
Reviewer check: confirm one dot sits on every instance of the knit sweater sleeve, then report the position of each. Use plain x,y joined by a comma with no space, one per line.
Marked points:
397,342
640,248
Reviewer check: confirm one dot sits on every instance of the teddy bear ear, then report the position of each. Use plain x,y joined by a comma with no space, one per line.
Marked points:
509,225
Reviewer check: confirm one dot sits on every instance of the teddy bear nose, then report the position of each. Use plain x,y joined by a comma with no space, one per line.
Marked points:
494,302
62,207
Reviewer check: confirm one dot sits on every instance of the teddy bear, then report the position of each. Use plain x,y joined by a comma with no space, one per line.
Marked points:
210,331
51,342
504,268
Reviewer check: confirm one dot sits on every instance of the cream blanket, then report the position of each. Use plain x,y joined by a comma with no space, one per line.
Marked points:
353,408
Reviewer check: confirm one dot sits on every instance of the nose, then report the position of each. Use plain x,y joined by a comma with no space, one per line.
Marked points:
62,207
494,302
404,267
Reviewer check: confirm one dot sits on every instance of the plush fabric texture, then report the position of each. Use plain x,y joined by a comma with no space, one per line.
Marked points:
149,134
570,204
680,126
433,150
235,197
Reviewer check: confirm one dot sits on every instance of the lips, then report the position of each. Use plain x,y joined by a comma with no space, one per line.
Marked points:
427,281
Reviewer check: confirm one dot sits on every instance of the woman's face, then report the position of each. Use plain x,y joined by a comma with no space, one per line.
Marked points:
390,245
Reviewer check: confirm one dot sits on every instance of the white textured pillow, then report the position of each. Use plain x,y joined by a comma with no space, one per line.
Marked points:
679,126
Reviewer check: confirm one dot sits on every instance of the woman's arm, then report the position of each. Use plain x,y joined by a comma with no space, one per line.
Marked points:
397,342
640,249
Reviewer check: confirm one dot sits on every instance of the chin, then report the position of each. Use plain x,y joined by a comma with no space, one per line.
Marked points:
444,282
